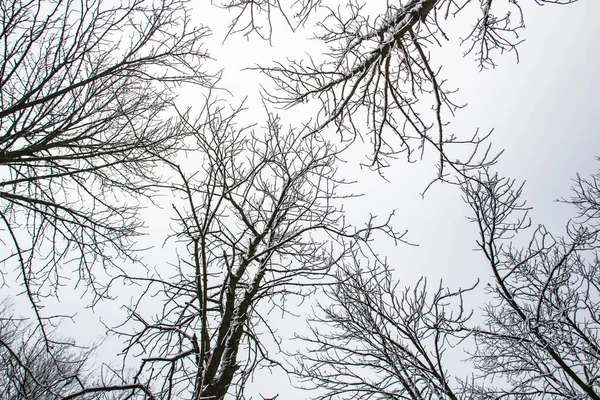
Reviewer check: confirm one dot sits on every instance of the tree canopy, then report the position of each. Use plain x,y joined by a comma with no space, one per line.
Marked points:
116,113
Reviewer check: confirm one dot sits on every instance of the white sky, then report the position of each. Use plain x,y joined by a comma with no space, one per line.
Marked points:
544,112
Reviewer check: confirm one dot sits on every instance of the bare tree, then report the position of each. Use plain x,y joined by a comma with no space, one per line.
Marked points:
85,89
257,17
27,370
542,332
377,79
85,93
259,223
373,339
540,338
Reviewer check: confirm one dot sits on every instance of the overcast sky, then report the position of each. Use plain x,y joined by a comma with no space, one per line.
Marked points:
544,112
